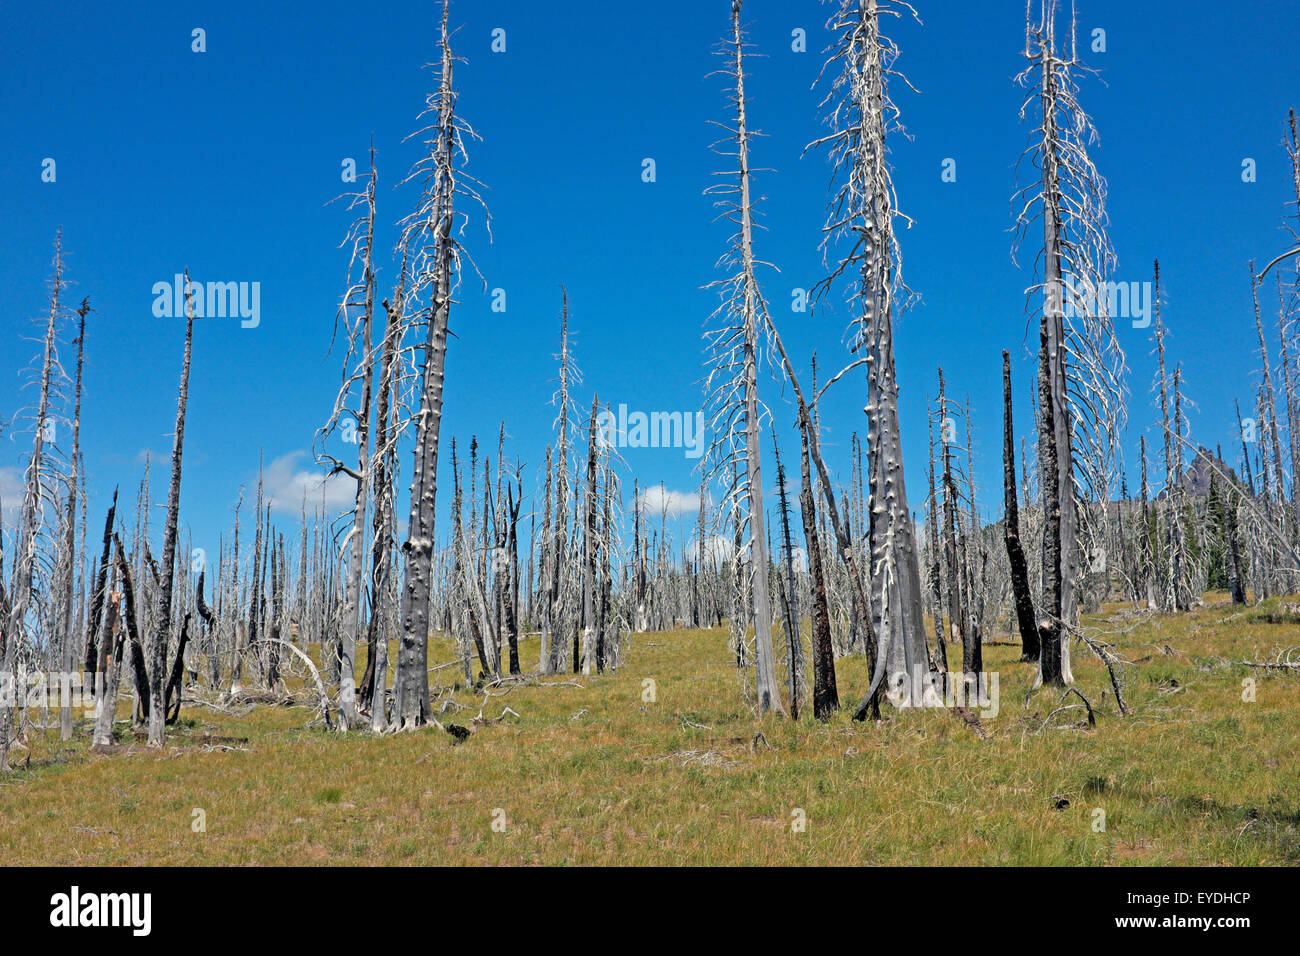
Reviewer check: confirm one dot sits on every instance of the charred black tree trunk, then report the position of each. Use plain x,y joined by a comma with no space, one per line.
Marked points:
826,698
795,643
139,671
939,662
1025,619
1049,657
97,598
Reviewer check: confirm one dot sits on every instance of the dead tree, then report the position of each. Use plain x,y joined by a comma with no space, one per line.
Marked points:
108,668
1025,620
826,698
428,238
1054,634
1146,550
861,214
98,594
69,649
958,607
556,613
1084,362
38,492
163,631
139,665
1174,591
358,373
794,640
1291,142
733,377
939,660
375,681
583,655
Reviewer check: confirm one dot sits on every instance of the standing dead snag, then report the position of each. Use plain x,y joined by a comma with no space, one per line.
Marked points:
1175,592
1084,362
1055,637
37,492
97,596
427,236
68,645
1291,142
958,609
358,370
733,378
163,632
375,682
108,668
862,212
794,639
139,668
826,698
1024,600
558,579
939,661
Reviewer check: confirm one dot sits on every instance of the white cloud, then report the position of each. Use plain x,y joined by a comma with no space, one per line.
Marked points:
798,556
717,549
658,500
285,484
11,495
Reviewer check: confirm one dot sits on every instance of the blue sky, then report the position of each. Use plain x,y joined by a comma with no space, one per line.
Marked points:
223,162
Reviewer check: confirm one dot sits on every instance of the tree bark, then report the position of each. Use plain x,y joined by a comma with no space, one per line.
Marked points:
1024,601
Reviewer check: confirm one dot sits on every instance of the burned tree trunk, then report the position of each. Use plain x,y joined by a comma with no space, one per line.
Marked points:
794,641
587,650
1025,620
108,670
429,237
862,213
939,661
1054,635
69,647
158,664
826,698
97,596
15,634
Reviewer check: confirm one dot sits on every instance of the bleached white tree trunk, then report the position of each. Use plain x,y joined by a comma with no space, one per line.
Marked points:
36,495
1084,362
733,383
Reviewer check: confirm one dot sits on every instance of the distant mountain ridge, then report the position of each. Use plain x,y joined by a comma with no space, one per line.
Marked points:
1196,479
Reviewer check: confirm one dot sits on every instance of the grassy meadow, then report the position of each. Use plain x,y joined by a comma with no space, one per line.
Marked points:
587,770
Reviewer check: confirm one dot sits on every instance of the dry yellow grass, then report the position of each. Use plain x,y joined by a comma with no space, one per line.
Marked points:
595,775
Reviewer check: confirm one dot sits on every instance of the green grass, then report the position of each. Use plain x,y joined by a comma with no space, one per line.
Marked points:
593,774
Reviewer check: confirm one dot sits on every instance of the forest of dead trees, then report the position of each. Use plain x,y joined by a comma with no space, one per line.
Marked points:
549,570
